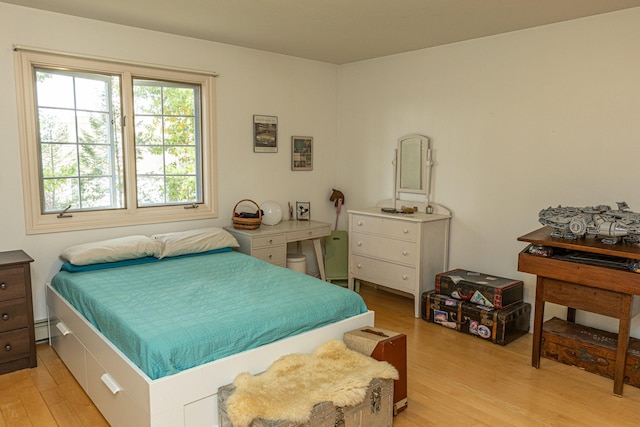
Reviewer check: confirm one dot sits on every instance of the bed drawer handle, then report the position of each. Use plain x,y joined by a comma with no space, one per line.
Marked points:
111,383
63,328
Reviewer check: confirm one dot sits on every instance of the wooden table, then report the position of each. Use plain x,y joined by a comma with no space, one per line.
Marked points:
604,290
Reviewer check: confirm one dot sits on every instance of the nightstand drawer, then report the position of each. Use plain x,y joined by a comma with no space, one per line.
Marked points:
14,345
13,314
266,241
276,255
12,283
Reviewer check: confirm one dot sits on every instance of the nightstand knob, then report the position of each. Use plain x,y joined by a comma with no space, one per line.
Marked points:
3,286
270,256
5,316
270,241
7,347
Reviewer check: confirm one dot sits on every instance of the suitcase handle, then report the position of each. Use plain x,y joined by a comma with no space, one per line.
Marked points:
371,331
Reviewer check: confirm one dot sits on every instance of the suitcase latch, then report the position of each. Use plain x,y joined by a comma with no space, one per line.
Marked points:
376,399
339,417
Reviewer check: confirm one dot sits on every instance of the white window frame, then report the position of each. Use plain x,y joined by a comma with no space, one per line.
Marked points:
37,222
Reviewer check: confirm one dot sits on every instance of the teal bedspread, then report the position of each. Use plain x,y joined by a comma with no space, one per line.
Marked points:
179,313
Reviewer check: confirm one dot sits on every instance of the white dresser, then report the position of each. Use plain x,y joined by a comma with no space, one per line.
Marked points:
398,251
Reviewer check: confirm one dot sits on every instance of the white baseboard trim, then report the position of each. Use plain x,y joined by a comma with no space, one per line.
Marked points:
42,330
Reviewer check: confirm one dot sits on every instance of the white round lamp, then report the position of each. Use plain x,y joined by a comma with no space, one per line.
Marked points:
271,212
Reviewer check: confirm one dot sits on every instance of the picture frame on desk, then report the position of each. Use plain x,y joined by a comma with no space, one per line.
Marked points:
303,211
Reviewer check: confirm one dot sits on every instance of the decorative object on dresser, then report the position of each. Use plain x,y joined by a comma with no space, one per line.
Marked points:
270,243
17,334
303,210
271,212
246,220
382,344
401,252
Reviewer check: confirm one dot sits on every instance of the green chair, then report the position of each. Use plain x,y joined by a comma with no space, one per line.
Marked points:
336,258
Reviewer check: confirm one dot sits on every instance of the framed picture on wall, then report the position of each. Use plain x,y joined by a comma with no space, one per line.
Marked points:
301,153
303,211
265,134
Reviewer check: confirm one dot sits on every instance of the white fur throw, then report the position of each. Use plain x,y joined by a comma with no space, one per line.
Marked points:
293,384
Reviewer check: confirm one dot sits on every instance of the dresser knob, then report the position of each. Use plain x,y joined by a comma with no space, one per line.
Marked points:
310,233
359,243
405,231
270,241
270,256
5,316
359,265
360,223
8,347
405,253
404,277
3,286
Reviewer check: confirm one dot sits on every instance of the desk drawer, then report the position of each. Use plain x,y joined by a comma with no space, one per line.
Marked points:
388,274
276,255
394,228
266,241
311,233
385,249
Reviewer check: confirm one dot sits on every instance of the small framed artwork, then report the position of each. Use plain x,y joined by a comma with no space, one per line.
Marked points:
265,134
301,153
303,211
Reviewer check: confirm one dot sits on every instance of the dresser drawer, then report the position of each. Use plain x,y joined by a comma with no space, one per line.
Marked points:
312,233
384,248
388,274
12,283
276,255
394,228
13,314
266,241
14,345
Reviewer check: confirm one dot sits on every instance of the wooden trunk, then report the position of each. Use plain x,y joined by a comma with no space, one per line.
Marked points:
498,326
376,410
480,288
591,349
389,346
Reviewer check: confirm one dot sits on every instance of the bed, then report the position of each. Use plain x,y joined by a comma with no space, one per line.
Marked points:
151,341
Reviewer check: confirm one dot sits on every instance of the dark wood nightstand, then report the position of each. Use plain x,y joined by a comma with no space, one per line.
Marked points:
17,334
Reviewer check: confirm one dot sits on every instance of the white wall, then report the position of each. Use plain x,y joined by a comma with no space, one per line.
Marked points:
301,93
519,122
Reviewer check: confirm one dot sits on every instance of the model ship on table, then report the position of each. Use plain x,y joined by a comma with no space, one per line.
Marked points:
602,221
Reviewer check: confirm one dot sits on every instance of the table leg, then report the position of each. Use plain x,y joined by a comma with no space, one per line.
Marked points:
318,249
623,343
538,318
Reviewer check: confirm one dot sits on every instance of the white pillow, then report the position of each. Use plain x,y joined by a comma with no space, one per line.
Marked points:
112,250
194,241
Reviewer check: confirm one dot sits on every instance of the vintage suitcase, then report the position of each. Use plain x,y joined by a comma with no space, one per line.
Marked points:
588,348
376,410
480,288
382,344
498,326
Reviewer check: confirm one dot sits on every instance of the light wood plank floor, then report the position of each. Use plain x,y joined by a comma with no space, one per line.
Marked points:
453,379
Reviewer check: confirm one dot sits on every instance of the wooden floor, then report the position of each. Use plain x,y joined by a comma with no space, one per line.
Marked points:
453,379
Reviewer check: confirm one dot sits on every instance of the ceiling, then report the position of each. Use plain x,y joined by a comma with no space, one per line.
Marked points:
334,31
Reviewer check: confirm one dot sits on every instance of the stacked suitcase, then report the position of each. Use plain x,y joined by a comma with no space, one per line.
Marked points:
479,304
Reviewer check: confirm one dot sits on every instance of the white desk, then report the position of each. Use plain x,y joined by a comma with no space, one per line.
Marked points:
269,242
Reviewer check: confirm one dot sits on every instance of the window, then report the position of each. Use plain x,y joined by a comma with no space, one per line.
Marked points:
108,144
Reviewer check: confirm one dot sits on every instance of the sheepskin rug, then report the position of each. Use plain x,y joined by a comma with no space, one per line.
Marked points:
293,384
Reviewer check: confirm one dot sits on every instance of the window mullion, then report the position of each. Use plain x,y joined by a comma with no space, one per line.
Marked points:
128,134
